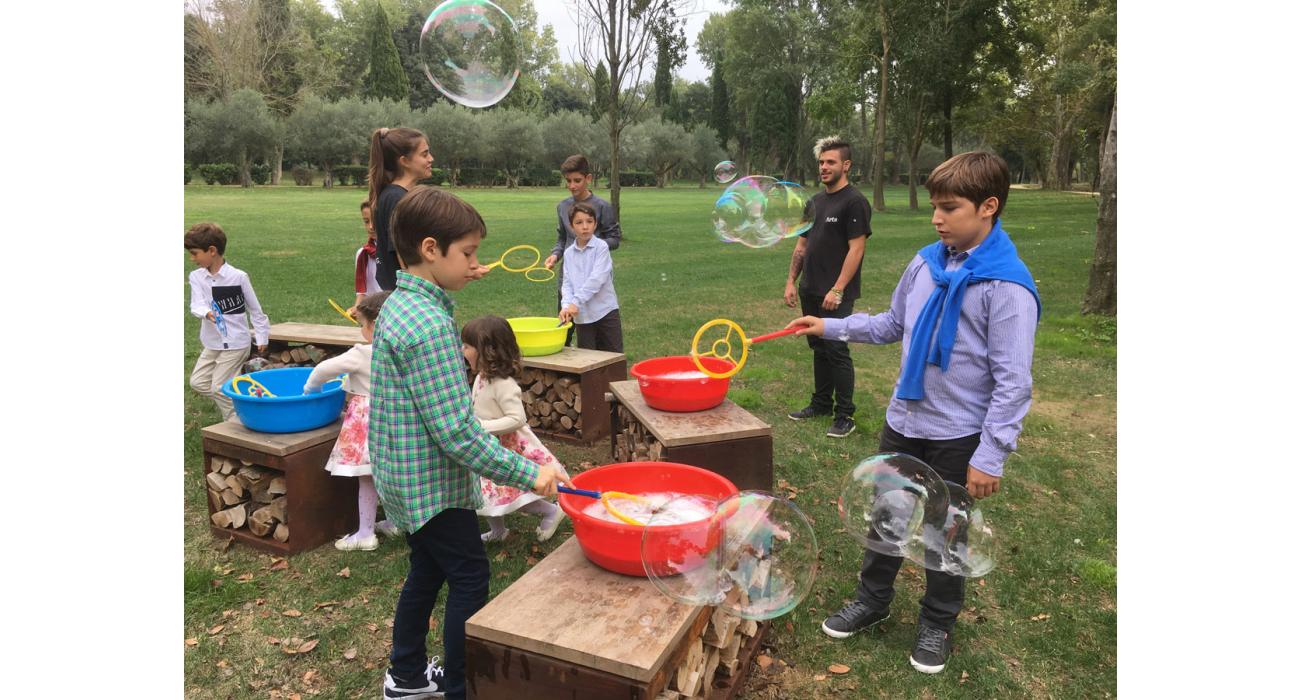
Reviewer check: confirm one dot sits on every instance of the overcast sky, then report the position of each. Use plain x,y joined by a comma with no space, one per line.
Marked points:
559,14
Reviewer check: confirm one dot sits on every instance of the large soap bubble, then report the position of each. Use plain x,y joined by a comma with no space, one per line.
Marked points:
471,51
960,544
725,171
885,499
759,211
755,556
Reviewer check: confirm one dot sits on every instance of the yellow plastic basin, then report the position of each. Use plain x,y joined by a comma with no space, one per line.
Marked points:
539,335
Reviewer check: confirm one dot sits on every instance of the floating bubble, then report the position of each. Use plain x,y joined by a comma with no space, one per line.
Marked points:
471,51
759,211
885,499
724,172
961,544
755,556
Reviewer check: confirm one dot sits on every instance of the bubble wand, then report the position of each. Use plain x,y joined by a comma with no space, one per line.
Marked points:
721,348
343,312
516,264
220,320
606,498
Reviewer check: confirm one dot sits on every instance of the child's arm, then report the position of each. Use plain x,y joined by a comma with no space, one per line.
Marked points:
200,304
508,396
261,324
881,329
351,361
610,231
1013,320
557,251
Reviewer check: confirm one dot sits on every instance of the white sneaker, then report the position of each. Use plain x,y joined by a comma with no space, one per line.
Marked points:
354,543
493,536
393,690
546,530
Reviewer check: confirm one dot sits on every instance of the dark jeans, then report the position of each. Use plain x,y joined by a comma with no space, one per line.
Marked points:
605,334
447,549
944,593
832,365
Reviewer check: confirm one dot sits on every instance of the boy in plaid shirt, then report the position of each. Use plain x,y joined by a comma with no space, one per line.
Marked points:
426,448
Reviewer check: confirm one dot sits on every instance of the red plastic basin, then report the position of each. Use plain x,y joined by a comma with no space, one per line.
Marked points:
665,392
617,546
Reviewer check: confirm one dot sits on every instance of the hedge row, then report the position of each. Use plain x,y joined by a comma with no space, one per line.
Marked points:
357,175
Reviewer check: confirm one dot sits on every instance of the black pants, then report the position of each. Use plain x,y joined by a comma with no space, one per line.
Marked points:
447,549
605,334
832,365
944,593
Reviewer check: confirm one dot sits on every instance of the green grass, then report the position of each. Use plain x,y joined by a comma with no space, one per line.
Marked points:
1055,515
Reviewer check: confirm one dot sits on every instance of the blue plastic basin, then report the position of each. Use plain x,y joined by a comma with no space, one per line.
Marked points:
289,411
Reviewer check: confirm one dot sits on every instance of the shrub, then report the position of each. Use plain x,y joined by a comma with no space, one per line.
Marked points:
636,179
539,177
302,175
480,177
188,175
436,179
219,173
260,172
351,175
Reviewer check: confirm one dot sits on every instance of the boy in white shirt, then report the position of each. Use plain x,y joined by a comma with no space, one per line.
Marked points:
223,297
587,292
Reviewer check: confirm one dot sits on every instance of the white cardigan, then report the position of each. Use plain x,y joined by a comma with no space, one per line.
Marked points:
498,406
356,362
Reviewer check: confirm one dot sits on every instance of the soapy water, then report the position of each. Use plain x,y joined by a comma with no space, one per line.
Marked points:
666,507
684,375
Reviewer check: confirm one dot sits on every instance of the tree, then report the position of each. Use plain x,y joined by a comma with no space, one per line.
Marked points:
617,35
566,88
670,54
661,147
599,92
331,133
512,141
455,136
567,133
691,103
239,128
705,153
1101,295
385,79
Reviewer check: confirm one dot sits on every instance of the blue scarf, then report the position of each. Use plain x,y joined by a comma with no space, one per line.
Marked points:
995,259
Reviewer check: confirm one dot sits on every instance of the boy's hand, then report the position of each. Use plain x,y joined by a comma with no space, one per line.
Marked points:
478,271
261,349
791,294
211,318
981,485
547,479
550,262
808,325
567,313
352,311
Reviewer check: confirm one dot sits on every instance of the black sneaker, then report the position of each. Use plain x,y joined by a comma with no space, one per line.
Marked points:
851,619
841,427
933,645
420,689
805,413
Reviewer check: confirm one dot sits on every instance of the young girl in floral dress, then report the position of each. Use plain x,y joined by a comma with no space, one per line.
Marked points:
350,456
493,356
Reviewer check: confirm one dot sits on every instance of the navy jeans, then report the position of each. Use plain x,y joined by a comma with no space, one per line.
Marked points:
447,549
944,593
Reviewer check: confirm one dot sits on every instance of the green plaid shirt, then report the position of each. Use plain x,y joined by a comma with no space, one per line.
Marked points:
426,447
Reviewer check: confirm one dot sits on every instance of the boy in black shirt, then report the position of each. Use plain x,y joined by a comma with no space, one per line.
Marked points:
829,254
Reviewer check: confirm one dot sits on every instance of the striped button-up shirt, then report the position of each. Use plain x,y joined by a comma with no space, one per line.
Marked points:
426,447
589,281
986,389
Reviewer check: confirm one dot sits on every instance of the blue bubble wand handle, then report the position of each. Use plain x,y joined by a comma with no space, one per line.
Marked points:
220,320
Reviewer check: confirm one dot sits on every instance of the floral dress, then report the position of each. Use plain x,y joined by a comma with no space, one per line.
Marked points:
498,499
351,456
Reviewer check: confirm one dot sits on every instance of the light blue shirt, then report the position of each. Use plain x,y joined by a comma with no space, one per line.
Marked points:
987,387
589,280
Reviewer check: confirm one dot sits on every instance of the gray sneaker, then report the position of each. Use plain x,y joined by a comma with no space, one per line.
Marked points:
851,619
841,427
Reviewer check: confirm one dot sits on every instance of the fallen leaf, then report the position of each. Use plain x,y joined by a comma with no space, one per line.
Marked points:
279,565
389,622
1040,617
259,601
501,556
227,613
820,677
290,645
964,677
223,572
223,664
350,654
192,642
310,675
216,583
308,646
764,661
292,613
837,668
345,573
372,627
244,578
327,604
982,584
272,640
531,561
217,629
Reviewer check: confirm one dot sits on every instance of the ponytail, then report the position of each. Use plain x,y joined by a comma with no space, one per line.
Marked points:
386,147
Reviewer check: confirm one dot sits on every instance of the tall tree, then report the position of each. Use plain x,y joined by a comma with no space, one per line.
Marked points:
600,103
711,47
670,52
385,79
617,34
239,127
1101,296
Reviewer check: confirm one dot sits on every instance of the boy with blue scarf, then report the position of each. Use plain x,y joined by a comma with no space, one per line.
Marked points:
966,310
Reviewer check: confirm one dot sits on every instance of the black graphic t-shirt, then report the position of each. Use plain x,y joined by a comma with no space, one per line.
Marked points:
838,218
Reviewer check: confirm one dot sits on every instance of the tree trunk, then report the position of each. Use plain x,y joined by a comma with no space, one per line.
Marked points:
1057,176
882,106
914,149
1100,297
277,164
947,124
245,165
328,183
615,79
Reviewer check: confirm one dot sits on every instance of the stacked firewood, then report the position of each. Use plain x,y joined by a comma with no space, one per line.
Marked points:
552,401
297,356
245,495
635,443
714,654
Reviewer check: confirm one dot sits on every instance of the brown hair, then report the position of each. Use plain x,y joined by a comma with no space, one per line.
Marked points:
206,235
832,143
575,164
498,351
584,208
428,212
368,307
975,176
386,146
365,204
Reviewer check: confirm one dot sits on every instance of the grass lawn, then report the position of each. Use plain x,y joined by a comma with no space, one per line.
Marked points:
1042,624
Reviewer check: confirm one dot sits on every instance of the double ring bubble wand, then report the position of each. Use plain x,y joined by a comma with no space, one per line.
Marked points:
510,261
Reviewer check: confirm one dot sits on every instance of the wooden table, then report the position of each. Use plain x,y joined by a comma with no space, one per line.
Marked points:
725,439
569,629
320,507
316,334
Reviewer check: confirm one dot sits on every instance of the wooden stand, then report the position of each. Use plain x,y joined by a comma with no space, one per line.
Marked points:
725,439
592,371
569,629
317,507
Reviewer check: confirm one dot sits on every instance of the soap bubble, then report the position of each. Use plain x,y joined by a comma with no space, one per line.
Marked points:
759,211
724,172
755,557
471,51
885,499
961,543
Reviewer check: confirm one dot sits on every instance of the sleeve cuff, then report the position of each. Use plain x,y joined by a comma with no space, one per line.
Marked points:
836,329
988,459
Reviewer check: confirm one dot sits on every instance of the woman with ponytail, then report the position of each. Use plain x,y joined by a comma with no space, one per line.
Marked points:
399,158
